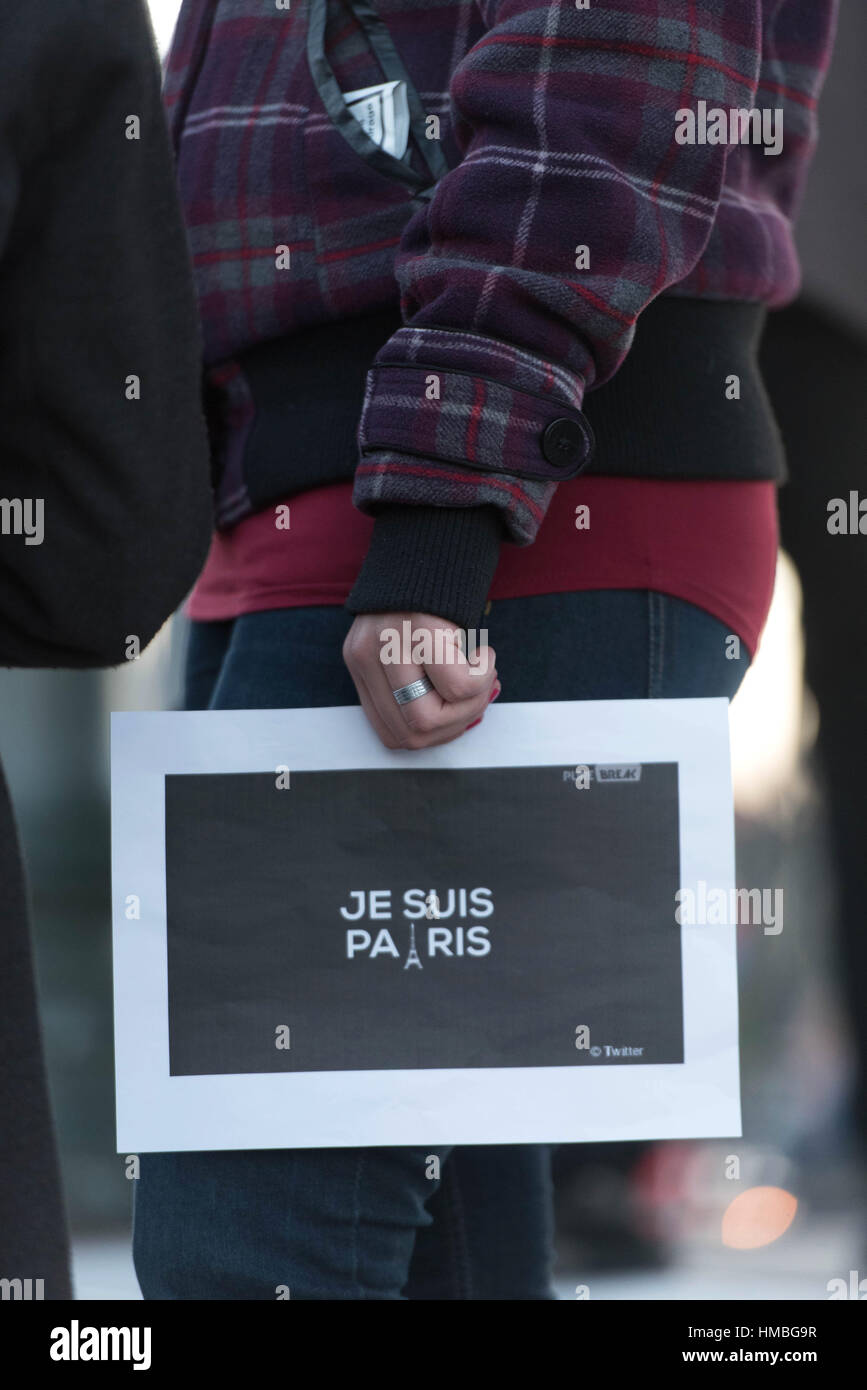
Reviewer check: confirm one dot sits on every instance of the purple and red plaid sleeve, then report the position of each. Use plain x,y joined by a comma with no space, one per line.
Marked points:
566,122
571,205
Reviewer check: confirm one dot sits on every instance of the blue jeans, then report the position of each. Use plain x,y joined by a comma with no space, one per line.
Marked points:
373,1223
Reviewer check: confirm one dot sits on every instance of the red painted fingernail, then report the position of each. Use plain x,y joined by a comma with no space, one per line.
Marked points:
494,693
474,723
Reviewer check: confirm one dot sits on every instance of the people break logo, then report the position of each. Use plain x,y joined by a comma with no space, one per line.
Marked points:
583,775
420,910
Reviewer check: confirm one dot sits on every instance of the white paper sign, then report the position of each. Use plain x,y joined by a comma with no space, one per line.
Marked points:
320,942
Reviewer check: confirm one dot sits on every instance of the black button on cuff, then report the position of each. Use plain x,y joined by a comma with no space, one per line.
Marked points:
568,444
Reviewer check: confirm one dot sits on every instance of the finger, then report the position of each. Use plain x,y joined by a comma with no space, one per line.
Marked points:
392,737
405,736
447,724
363,661
440,726
432,719
452,673
458,696
491,698
462,680
367,660
422,715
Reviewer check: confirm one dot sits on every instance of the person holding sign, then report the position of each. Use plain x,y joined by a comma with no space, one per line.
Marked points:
474,270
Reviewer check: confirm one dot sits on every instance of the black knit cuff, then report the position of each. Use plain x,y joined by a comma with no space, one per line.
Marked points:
438,560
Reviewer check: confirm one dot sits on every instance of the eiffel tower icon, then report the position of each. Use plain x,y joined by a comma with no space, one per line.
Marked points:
412,955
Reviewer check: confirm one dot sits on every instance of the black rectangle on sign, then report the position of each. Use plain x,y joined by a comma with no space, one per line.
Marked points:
556,914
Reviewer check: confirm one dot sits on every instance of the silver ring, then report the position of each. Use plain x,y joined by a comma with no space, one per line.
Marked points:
414,691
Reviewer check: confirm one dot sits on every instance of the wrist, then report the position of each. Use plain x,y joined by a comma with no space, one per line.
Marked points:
438,560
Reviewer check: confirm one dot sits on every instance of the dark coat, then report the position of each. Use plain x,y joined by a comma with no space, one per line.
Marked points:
95,288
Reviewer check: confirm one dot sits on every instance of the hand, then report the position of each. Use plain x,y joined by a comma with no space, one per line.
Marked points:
384,651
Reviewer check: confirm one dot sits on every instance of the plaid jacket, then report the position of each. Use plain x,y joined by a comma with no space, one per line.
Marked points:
559,126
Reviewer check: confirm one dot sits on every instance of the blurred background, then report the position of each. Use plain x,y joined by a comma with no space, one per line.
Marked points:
777,1214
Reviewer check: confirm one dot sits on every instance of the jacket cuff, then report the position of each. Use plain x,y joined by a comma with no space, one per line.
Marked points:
458,420
438,560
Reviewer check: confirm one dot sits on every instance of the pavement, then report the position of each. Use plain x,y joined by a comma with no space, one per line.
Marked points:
796,1268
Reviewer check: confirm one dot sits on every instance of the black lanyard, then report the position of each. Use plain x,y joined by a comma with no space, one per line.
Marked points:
382,44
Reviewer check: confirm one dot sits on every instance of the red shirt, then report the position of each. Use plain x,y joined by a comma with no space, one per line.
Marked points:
713,544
